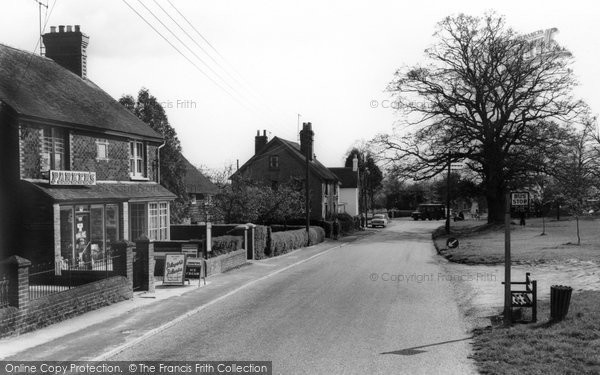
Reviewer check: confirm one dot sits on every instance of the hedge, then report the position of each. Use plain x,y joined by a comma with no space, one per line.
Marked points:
261,234
283,242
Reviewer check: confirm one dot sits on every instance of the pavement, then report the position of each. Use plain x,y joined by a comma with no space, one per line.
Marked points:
103,333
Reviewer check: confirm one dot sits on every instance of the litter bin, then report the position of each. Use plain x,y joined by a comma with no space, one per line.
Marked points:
560,298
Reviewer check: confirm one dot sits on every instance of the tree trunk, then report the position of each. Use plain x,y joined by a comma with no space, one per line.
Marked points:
495,203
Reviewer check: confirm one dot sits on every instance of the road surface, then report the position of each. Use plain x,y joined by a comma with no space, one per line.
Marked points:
380,305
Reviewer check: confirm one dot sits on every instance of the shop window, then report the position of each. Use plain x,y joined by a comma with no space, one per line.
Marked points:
53,149
137,212
137,159
158,221
66,232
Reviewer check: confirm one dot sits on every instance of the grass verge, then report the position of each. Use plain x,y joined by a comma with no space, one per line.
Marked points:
571,346
484,243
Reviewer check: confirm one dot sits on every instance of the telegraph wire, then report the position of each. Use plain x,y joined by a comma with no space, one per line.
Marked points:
247,106
246,85
187,47
184,56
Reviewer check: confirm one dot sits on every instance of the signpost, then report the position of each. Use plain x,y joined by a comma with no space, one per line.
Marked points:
452,243
515,201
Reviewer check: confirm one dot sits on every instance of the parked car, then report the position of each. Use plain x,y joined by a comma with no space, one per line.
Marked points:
379,220
429,211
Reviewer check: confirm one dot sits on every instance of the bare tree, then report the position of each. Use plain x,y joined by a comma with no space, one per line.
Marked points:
576,170
486,96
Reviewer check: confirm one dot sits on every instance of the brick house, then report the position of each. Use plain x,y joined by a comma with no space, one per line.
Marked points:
78,169
349,188
200,192
279,161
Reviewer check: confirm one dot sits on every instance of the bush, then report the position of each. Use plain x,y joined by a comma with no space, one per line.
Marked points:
328,227
283,242
282,228
261,234
347,223
225,244
317,235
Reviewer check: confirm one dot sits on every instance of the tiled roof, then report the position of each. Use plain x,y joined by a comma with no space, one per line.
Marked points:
348,177
196,182
102,191
38,88
294,150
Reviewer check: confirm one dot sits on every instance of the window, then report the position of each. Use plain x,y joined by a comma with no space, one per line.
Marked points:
326,189
274,161
53,149
137,212
83,226
137,159
102,149
194,199
158,221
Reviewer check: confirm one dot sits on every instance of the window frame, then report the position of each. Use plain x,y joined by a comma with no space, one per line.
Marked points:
102,142
273,161
53,144
136,160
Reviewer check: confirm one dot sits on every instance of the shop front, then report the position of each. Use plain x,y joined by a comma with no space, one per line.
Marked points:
87,220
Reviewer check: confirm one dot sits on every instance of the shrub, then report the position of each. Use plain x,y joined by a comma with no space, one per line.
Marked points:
225,244
328,227
283,242
347,223
260,241
317,235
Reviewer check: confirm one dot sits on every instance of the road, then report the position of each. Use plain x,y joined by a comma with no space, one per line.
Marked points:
379,305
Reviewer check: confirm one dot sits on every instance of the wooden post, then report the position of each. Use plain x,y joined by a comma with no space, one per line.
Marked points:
507,263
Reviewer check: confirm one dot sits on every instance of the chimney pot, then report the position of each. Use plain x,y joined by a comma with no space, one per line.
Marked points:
355,164
67,49
77,28
260,141
306,140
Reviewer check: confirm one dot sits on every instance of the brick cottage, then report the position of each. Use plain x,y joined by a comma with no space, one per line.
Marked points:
79,171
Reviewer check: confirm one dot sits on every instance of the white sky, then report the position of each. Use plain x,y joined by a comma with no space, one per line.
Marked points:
326,60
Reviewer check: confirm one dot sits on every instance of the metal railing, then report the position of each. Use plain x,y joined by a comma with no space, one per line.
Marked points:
55,277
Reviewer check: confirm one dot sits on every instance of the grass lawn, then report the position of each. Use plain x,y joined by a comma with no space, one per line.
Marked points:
568,347
484,244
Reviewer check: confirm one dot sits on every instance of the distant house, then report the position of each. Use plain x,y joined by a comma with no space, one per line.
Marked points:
79,171
200,192
349,188
279,161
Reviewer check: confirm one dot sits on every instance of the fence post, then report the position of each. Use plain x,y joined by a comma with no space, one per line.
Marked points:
123,262
18,281
144,249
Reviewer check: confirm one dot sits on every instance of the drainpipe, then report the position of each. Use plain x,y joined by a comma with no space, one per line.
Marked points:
158,158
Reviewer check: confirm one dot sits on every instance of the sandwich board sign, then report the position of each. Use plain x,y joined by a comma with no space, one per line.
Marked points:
174,273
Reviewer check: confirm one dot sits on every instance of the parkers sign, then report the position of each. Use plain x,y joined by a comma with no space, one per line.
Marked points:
78,178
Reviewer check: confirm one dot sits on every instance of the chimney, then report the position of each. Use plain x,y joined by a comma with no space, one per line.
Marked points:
306,140
68,48
355,164
260,141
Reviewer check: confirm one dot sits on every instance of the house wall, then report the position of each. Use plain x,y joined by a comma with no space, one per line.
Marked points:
349,196
30,147
9,176
290,167
84,157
